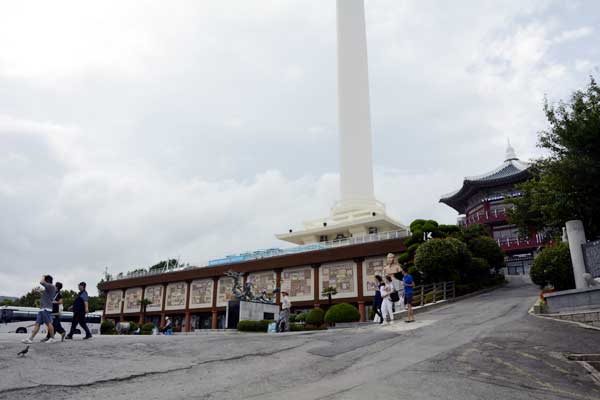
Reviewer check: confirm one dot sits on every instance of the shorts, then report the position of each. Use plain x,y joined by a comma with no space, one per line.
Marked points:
43,317
408,298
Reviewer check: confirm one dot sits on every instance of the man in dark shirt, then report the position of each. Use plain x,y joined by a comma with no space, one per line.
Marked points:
56,303
80,308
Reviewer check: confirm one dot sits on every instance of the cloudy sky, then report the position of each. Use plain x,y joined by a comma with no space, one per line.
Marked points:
131,131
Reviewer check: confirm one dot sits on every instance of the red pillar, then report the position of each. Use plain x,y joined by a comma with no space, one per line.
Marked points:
317,294
142,307
122,317
278,285
163,313
359,291
361,310
215,314
187,307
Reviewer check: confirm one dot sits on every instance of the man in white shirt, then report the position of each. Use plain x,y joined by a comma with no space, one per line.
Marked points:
284,314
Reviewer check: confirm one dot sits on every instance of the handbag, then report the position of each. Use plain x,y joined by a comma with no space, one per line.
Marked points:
394,296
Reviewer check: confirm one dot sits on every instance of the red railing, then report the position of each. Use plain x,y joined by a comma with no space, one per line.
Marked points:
484,217
519,243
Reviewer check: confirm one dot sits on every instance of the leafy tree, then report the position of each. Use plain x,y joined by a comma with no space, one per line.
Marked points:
474,231
441,259
566,184
144,303
329,291
487,248
553,266
31,299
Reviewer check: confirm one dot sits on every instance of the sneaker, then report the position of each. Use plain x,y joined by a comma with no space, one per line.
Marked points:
27,341
51,340
44,339
62,336
69,337
87,337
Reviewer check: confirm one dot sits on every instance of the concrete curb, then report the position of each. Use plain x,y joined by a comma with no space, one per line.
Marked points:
549,318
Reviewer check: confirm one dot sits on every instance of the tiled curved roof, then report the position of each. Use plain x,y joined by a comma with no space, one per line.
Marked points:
512,170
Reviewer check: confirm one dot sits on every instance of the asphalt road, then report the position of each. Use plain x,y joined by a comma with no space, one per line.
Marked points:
486,347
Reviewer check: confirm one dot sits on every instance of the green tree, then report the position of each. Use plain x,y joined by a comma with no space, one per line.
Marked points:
441,259
553,266
487,248
566,184
30,299
329,291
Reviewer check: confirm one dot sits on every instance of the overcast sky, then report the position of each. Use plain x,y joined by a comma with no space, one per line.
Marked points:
133,131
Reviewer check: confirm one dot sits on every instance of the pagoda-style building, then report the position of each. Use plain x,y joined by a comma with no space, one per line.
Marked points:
485,199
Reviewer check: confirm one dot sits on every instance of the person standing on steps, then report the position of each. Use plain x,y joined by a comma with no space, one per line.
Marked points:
44,316
386,306
56,310
377,300
80,308
409,285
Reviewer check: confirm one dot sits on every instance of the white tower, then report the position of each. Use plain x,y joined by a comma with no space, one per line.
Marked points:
354,114
357,212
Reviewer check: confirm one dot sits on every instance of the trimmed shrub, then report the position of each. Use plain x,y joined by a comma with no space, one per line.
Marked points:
107,327
254,326
553,266
301,317
147,328
302,327
132,327
343,312
315,317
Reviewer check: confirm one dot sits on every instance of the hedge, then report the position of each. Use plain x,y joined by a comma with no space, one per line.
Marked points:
107,327
315,316
133,327
147,328
302,327
254,326
343,312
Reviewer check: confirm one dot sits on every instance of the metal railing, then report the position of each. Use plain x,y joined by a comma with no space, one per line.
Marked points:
256,255
433,292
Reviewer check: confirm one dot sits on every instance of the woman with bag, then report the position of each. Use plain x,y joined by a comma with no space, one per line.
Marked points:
377,300
386,306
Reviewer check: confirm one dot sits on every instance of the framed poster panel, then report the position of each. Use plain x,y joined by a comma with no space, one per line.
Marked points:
342,276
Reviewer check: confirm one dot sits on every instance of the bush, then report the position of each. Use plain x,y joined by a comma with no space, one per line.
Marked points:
301,317
315,317
553,266
342,313
254,326
302,327
441,259
132,327
487,248
107,327
147,328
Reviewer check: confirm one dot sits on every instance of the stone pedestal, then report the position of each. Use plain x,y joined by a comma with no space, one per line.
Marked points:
249,311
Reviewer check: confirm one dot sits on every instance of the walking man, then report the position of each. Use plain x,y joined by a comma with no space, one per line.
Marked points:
44,317
80,308
409,285
56,310
284,315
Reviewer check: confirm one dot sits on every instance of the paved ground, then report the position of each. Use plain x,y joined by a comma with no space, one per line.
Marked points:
486,347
